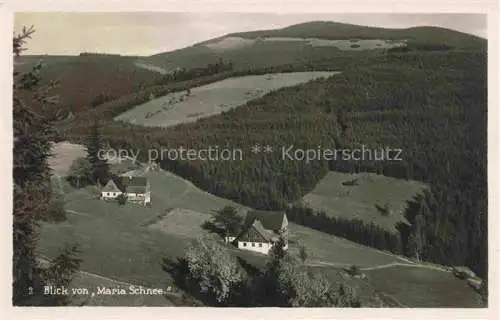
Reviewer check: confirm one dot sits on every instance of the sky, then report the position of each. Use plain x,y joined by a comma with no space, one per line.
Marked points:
133,33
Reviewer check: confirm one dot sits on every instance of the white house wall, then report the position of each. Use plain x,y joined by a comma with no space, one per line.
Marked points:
255,246
110,195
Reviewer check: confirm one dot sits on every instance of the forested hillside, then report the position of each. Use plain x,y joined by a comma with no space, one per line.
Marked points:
429,103
86,81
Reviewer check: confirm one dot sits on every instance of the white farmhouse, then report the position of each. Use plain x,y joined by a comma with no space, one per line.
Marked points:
136,190
110,191
262,229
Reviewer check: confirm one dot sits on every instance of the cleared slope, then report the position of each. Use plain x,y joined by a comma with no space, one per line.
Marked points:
250,49
212,99
365,199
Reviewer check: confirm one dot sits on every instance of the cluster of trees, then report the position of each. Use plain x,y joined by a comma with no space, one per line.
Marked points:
421,47
83,54
213,275
94,168
354,230
32,193
101,98
194,73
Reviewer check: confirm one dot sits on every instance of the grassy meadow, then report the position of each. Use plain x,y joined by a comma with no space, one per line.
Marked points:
212,99
361,201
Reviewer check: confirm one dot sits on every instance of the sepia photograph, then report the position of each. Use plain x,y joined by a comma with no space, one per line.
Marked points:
249,160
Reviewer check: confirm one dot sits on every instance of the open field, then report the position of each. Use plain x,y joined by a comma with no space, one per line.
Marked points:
232,43
117,241
360,201
182,222
212,99
64,153
421,287
324,249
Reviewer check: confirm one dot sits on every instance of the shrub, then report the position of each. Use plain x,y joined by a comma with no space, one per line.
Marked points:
121,199
303,253
56,212
353,270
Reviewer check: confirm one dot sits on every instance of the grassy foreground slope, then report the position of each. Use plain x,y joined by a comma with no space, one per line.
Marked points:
334,30
126,245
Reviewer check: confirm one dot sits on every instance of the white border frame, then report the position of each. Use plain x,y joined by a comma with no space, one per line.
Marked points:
488,7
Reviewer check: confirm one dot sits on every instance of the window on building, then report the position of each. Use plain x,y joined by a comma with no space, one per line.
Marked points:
253,244
260,245
244,244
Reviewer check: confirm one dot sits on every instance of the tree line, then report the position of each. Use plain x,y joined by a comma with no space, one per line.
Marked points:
193,73
352,229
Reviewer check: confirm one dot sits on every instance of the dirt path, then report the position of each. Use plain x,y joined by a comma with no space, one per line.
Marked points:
79,213
151,67
382,266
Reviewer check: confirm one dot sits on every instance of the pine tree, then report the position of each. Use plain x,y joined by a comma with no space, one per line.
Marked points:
100,167
228,220
32,191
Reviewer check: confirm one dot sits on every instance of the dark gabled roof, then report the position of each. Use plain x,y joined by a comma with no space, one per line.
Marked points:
134,184
271,220
123,166
256,233
134,181
110,187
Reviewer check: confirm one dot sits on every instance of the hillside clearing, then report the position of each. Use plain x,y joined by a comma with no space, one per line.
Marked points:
182,222
64,153
212,99
422,287
364,198
233,43
323,248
